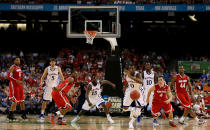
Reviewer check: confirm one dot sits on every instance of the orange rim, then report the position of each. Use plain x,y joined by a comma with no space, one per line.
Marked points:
91,33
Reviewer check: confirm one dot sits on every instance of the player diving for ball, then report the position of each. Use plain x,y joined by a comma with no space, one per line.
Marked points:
93,98
134,82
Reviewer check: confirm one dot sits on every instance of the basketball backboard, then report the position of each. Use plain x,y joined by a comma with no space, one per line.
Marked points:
104,19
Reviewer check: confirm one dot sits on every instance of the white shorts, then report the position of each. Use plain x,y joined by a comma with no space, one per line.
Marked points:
97,101
127,99
150,98
47,96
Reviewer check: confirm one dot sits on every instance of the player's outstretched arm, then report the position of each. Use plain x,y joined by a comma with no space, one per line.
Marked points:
169,95
43,76
87,94
136,79
190,89
149,93
107,82
61,74
155,77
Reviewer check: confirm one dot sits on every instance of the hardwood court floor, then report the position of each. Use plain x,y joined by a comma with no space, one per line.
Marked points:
95,123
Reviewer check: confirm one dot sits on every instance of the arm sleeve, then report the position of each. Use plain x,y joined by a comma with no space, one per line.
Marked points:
10,77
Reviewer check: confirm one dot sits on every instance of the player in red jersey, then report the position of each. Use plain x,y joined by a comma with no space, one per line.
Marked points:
181,82
161,99
16,94
59,95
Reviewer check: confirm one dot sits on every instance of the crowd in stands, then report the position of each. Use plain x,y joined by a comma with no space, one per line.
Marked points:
86,62
108,1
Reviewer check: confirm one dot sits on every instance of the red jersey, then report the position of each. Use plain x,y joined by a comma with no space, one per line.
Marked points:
160,93
181,83
65,86
16,74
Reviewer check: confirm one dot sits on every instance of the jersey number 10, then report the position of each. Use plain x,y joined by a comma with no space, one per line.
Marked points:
149,82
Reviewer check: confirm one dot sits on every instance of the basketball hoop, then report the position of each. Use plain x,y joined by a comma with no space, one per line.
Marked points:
90,35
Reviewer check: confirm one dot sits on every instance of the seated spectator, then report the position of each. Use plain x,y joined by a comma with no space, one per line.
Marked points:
199,108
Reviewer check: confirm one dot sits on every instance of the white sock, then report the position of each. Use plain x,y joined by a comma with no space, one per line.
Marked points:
108,115
196,118
182,119
42,112
132,119
58,112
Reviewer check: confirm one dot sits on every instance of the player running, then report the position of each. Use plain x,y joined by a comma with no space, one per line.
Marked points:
181,82
93,98
134,82
61,98
161,99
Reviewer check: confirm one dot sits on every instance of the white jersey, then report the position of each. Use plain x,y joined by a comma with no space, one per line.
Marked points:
148,80
132,85
52,76
95,91
94,97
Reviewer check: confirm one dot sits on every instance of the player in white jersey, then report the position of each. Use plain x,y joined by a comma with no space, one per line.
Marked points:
133,83
148,81
93,98
52,73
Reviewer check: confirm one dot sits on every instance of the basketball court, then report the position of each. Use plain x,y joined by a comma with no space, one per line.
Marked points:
95,123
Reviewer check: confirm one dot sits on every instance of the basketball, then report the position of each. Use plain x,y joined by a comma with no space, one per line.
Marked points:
108,104
134,95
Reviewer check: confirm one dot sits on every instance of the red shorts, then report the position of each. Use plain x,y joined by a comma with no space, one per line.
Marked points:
184,100
157,105
61,100
16,92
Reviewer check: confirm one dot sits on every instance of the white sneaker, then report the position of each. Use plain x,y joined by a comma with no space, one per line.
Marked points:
131,123
110,120
77,118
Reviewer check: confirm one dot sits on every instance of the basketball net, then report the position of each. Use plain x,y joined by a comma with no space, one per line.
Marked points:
90,35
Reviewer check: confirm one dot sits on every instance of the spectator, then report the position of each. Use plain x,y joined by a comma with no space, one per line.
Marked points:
203,76
166,76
